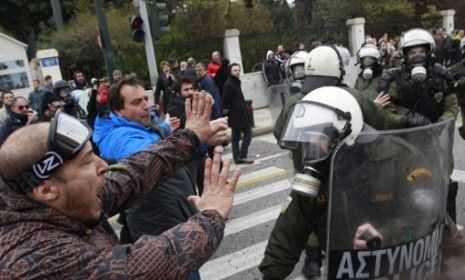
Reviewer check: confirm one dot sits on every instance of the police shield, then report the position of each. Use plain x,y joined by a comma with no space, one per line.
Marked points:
394,182
277,97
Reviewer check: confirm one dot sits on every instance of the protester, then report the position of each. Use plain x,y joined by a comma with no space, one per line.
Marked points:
58,217
50,104
19,116
7,100
235,108
35,96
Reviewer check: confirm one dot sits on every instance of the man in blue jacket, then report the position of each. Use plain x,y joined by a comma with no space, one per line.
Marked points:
128,130
207,84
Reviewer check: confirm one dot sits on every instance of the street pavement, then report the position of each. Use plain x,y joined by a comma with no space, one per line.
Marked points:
262,190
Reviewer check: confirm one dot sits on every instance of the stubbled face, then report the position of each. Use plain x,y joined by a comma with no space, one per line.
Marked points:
21,107
79,192
136,108
236,71
8,99
186,90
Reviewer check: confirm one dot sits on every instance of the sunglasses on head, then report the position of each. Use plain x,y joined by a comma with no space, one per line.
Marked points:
21,107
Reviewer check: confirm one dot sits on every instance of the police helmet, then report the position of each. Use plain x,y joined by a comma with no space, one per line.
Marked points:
417,37
324,61
329,112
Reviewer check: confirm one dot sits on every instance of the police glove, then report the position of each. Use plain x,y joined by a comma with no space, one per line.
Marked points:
415,119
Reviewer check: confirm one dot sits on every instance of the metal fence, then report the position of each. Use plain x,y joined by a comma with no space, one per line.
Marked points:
254,46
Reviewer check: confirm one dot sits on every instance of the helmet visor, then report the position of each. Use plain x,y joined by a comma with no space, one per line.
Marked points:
298,72
311,124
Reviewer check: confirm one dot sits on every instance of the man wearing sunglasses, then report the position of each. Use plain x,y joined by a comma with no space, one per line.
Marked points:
55,197
20,116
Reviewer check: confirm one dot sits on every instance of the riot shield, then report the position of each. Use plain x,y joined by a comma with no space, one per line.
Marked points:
397,182
277,97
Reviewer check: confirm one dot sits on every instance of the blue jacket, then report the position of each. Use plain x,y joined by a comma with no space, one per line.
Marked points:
117,138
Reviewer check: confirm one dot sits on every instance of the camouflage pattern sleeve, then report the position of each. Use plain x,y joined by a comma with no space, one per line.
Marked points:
178,251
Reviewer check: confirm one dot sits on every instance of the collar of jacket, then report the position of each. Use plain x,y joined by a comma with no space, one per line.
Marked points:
235,79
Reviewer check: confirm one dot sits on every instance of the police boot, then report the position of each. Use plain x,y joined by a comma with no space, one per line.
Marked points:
311,268
462,131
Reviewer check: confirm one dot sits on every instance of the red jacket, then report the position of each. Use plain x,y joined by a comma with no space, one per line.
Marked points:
212,68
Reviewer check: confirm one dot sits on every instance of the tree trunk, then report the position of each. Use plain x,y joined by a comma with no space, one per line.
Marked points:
303,10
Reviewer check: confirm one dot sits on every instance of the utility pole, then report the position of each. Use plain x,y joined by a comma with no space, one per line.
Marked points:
56,8
148,43
108,54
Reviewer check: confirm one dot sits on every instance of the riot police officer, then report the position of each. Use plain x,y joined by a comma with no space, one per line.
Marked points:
323,67
421,86
295,70
368,58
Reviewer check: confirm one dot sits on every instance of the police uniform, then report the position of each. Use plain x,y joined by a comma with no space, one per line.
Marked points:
362,84
431,98
304,215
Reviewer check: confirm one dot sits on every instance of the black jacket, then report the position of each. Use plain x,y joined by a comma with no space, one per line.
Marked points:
12,123
176,109
164,207
164,84
234,103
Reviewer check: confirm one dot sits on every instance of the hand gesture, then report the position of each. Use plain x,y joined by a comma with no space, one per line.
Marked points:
218,193
382,100
173,122
198,114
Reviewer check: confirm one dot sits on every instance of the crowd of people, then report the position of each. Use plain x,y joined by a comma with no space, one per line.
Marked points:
166,179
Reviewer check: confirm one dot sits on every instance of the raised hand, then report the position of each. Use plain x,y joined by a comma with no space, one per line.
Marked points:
218,192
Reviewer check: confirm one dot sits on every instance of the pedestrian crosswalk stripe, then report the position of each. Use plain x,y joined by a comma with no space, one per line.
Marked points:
260,175
251,220
458,175
233,263
256,160
259,192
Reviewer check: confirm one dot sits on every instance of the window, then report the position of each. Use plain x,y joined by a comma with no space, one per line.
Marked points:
14,81
6,65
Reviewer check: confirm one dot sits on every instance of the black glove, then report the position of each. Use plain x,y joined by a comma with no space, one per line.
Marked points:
415,119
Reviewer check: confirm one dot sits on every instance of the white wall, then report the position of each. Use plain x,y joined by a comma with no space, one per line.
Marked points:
12,51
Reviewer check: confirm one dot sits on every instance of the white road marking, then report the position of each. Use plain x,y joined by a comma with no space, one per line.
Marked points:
260,175
259,192
233,263
251,220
